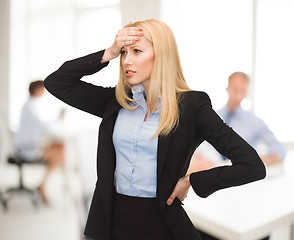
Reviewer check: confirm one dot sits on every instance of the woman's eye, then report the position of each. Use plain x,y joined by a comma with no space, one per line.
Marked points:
123,52
137,51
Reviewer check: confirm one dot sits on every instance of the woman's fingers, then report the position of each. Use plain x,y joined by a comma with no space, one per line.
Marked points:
128,24
130,32
125,37
171,198
180,191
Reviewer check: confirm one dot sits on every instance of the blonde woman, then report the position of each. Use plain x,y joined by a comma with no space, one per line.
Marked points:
151,124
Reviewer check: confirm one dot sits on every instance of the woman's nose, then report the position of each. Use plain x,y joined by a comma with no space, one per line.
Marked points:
127,59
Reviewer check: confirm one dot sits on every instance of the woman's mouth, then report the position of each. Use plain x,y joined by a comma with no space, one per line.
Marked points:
129,72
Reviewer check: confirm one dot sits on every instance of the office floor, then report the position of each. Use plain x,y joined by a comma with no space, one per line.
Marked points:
59,220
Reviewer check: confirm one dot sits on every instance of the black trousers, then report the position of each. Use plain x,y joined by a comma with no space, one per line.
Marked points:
136,218
205,236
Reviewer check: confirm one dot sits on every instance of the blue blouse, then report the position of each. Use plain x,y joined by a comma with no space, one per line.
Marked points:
136,150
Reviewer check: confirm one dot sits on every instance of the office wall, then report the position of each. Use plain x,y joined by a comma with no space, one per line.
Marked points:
4,58
134,10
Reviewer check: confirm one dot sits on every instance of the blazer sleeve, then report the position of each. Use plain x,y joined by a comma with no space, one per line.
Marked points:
246,164
66,84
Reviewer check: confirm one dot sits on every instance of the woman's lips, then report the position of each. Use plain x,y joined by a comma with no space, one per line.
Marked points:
129,73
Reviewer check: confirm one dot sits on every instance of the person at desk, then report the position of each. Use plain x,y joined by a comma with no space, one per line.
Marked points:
246,124
151,124
32,141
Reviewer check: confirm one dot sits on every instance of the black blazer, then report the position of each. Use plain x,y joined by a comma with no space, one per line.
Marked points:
198,122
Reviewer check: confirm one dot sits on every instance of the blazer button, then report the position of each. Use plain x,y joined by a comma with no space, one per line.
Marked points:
162,204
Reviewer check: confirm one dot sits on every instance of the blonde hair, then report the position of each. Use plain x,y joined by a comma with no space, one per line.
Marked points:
166,81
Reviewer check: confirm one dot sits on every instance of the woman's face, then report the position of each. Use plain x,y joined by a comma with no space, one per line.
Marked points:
137,62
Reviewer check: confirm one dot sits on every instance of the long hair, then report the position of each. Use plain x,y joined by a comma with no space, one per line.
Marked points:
166,81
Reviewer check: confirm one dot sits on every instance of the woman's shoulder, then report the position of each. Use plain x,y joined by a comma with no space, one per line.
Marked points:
193,101
198,96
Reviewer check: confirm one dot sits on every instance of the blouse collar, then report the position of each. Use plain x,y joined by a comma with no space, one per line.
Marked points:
139,95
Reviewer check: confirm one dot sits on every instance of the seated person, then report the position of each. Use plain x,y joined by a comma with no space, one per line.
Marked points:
247,125
33,140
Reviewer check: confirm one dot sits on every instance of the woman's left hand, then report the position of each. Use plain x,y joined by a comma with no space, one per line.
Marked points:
181,190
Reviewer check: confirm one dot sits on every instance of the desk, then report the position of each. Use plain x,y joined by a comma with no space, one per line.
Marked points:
247,212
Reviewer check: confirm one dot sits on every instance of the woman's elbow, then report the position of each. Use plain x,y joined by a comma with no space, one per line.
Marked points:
259,170
47,82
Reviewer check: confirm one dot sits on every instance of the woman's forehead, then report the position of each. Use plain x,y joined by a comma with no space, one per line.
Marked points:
142,43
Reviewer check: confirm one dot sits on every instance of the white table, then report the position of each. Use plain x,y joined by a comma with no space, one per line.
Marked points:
247,212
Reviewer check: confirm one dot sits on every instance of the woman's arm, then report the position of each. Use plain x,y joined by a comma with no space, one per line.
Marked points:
246,165
66,84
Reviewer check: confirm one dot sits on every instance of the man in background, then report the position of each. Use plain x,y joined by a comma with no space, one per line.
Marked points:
247,125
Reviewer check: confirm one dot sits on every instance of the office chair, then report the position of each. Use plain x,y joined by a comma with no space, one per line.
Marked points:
3,201
33,193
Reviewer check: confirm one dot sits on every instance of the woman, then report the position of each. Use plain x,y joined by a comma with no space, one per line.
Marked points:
151,124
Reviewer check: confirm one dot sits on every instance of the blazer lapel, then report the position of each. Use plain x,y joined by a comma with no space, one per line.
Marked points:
113,107
163,144
108,164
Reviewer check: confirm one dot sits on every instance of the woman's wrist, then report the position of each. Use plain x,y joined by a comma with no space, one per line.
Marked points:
187,180
107,56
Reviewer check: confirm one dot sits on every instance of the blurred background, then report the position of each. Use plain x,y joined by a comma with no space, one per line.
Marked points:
215,38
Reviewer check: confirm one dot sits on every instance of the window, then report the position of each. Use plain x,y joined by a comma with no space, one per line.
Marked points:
215,38
274,66
47,33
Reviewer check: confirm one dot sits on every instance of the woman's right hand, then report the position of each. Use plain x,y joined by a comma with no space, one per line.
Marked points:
125,37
